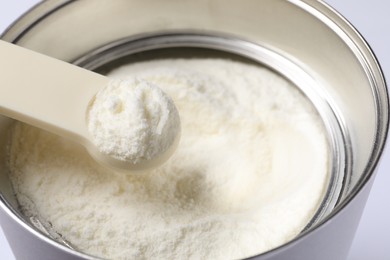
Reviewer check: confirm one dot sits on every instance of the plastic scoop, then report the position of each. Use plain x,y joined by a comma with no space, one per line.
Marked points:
54,95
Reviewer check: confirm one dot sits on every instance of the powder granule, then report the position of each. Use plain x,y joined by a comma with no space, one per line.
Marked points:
248,175
133,120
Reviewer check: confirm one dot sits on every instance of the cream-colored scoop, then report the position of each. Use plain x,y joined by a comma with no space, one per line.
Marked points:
54,95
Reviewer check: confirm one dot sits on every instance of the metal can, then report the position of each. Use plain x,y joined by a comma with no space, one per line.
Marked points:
304,40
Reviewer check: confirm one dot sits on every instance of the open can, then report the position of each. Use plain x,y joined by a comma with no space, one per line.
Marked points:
306,41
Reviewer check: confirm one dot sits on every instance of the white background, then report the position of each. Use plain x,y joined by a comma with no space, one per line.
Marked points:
372,19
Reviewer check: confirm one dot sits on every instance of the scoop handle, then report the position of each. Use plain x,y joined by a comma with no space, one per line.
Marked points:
46,92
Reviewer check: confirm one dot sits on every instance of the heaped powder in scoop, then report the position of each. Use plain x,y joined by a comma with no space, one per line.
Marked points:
133,120
247,176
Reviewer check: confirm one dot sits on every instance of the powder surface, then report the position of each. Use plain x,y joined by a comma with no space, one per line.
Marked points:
133,120
248,175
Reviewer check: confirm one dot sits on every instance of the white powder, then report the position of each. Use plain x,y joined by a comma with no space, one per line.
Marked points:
247,176
133,120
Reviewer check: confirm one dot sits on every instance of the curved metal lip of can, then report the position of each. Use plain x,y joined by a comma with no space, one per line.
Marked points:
317,8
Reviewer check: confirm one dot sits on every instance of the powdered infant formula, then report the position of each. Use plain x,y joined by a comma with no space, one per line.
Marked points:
249,172
133,120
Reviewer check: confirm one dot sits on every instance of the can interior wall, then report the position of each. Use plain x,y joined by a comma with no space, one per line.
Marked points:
303,40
